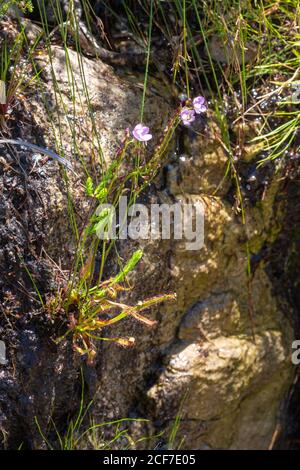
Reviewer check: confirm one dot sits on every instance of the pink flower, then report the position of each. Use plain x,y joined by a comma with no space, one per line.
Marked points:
187,115
199,104
141,133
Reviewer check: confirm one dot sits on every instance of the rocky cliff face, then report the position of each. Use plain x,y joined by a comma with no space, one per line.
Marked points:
220,356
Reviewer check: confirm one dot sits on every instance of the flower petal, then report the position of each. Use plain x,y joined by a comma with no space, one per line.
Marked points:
198,100
136,134
141,133
199,104
200,109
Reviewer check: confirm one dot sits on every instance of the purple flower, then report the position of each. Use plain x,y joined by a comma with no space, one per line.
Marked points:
187,115
141,133
199,104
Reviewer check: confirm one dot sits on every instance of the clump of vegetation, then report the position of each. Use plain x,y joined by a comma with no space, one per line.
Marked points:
81,432
23,5
15,69
9,73
91,309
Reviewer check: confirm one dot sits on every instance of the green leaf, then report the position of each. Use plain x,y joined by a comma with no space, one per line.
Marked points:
89,186
129,266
